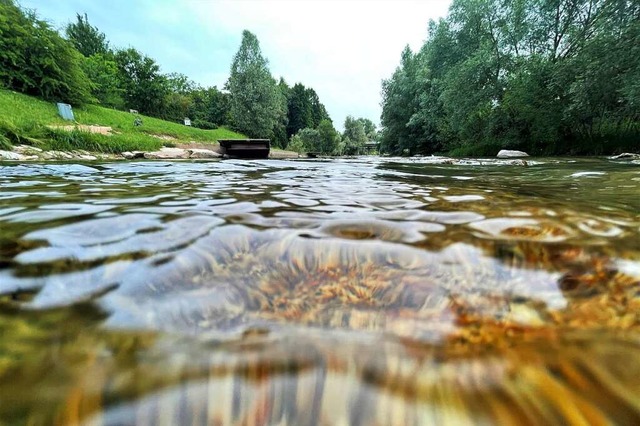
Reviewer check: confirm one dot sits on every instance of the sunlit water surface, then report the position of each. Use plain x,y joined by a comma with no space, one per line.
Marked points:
363,291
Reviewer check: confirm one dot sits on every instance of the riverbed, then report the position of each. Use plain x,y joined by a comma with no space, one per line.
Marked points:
363,291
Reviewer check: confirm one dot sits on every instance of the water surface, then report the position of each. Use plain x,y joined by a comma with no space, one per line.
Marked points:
361,291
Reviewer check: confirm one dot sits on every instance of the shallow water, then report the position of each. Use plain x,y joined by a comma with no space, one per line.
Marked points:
362,291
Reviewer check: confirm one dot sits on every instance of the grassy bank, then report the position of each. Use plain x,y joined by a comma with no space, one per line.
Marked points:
25,120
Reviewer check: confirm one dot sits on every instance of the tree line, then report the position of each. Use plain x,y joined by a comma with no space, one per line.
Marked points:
543,76
79,66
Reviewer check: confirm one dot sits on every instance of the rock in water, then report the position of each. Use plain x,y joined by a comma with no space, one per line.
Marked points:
203,153
506,153
626,156
8,155
167,153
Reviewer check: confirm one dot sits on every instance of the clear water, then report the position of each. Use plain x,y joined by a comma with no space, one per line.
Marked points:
361,291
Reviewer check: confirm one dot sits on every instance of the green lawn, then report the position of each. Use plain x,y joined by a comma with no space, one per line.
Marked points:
25,119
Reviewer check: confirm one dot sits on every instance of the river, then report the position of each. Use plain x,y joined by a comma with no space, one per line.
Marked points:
362,291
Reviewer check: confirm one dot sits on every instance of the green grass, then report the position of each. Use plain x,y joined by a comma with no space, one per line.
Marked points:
25,119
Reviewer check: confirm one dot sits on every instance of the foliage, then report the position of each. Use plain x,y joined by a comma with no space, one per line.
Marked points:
322,140
354,136
203,124
106,84
256,104
329,138
86,38
296,144
304,109
145,88
547,77
210,105
279,132
34,59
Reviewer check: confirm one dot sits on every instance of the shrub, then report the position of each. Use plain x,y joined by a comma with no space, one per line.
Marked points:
34,59
203,124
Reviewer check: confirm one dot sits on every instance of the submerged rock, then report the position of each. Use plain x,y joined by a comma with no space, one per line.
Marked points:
167,153
506,153
203,153
26,150
9,155
626,156
130,155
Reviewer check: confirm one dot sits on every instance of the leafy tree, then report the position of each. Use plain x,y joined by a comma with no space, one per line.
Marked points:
210,105
318,110
106,86
145,88
329,138
279,132
181,84
256,103
296,144
179,100
300,112
311,139
304,109
86,38
354,135
34,59
369,128
545,76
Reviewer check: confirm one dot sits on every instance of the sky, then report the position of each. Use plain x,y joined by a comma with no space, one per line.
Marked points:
343,49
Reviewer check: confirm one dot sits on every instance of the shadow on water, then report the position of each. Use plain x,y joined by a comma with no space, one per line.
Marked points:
373,291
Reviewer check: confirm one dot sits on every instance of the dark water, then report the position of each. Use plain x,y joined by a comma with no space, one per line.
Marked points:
365,291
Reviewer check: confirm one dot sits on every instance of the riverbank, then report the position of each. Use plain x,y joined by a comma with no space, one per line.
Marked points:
27,120
192,150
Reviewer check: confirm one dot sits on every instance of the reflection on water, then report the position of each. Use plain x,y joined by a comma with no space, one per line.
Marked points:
364,291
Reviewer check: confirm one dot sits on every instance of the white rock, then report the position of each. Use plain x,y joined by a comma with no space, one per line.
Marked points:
9,155
626,156
61,155
130,155
506,153
203,153
167,154
26,150
88,157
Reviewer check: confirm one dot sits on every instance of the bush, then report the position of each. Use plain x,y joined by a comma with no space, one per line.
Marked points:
203,124
34,59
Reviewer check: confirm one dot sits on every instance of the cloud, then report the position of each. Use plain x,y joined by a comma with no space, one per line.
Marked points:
341,48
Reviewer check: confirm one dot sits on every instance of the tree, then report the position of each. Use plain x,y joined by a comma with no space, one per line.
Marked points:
329,138
179,100
210,107
296,144
354,136
369,128
145,88
300,112
256,104
106,86
35,60
310,138
304,109
279,133
86,38
545,76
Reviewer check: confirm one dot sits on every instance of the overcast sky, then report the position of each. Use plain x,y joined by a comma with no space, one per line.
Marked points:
341,48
